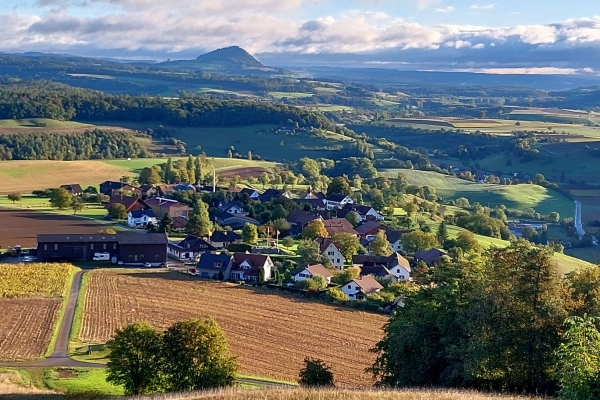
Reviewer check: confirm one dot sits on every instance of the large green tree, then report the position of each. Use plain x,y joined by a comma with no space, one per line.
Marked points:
314,229
380,246
149,175
196,356
134,359
339,185
60,198
417,240
315,373
310,254
199,223
250,233
348,244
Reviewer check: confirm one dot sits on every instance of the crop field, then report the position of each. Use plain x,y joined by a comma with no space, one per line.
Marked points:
270,334
518,197
30,300
22,226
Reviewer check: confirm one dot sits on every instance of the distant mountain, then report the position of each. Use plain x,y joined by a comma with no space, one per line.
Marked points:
228,60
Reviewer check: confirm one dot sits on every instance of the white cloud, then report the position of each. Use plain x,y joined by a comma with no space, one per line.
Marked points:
445,10
482,6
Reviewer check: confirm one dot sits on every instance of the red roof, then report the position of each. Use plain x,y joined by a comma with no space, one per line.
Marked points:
339,225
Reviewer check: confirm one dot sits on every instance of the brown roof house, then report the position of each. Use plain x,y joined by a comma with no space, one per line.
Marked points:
394,236
339,225
312,271
74,189
131,203
251,267
369,229
332,251
398,266
360,288
162,206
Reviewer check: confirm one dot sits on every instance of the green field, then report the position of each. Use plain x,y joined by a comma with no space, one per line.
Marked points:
41,123
290,95
517,197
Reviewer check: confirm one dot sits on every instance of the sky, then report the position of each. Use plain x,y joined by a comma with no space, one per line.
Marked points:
495,36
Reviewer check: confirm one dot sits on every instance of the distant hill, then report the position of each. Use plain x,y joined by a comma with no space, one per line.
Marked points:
228,60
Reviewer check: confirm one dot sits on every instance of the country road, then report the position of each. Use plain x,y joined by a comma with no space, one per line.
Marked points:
60,356
578,223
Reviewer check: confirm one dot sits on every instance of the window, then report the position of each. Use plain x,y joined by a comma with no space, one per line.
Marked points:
104,246
92,246
330,253
45,247
338,261
55,247
349,286
114,246
135,257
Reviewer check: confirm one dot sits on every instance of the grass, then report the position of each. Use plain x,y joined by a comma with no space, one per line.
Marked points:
41,123
328,107
290,95
85,380
91,211
517,197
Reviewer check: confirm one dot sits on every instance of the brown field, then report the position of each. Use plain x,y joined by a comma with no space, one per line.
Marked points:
244,173
22,227
26,327
270,334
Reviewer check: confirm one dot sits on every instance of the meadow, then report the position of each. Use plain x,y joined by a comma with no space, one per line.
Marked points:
40,124
517,197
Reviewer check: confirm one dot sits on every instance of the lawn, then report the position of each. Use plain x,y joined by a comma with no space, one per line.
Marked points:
31,202
80,380
517,197
291,95
37,122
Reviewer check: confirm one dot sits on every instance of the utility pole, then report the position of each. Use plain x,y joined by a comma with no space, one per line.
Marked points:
214,179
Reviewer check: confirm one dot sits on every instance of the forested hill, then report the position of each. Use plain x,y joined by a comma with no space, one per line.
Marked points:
61,102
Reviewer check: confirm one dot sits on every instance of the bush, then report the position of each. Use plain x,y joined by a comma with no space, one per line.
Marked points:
336,295
315,373
239,247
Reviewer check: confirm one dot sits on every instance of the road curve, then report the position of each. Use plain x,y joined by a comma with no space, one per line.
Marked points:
60,356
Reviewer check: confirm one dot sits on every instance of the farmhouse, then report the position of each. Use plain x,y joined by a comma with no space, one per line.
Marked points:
394,236
215,266
233,207
131,249
251,267
162,206
74,189
312,271
141,218
189,249
360,288
379,272
148,191
310,195
332,251
251,193
315,204
234,221
337,200
272,194
299,219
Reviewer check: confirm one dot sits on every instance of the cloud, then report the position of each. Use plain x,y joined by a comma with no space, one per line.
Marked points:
445,10
482,6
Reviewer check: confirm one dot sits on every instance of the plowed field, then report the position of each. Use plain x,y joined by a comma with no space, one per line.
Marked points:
269,333
26,326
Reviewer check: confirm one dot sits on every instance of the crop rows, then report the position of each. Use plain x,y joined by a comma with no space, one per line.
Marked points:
26,327
27,280
270,334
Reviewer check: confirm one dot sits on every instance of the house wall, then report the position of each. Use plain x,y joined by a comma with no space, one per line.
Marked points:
337,259
50,251
351,289
214,274
397,245
142,253
302,275
400,273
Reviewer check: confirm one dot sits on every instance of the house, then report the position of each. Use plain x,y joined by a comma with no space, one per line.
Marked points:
299,219
394,236
251,193
74,189
379,272
364,213
315,204
312,271
337,200
179,224
183,187
147,191
339,225
361,287
310,195
272,194
215,266
331,250
221,239
430,257
397,265
251,267
127,248
141,218
233,207
369,229
131,203
162,206
189,249
163,190
111,188
234,221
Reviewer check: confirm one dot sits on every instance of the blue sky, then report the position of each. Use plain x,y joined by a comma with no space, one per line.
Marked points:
435,34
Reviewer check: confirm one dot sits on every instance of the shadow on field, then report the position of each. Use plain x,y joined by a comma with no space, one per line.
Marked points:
168,276
38,396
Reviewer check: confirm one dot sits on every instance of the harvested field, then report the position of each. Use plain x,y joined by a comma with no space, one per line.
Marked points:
270,334
26,327
244,173
22,227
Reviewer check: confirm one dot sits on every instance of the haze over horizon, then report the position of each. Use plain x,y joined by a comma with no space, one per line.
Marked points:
498,37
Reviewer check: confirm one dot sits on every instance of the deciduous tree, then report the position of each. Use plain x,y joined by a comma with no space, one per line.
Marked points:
348,244
314,229
315,373
250,233
417,240
199,223
60,198
380,246
16,196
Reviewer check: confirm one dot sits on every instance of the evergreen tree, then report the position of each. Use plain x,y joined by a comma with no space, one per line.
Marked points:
442,233
198,169
250,234
189,165
380,246
166,224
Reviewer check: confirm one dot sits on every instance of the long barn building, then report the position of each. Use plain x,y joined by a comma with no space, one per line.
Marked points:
134,249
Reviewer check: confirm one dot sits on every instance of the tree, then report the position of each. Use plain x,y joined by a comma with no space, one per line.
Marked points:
250,233
279,212
310,253
166,224
149,175
196,357
380,246
553,217
442,233
467,242
77,206
117,211
336,295
417,240
410,209
314,229
315,373
198,169
281,225
347,244
199,223
578,359
287,241
347,275
16,196
353,218
134,359
339,185
91,190
60,198
264,179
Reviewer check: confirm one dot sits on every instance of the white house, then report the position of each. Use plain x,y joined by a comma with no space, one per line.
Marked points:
400,267
394,236
364,213
338,200
233,207
312,271
250,267
141,219
329,249
359,288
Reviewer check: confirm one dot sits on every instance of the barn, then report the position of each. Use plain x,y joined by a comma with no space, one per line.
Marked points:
132,249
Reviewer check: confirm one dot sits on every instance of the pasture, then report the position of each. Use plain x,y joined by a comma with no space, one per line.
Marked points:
269,333
21,227
31,300
517,197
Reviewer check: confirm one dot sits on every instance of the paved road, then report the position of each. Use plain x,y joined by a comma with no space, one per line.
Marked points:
578,224
60,356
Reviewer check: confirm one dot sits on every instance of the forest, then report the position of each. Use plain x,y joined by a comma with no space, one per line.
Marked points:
93,144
